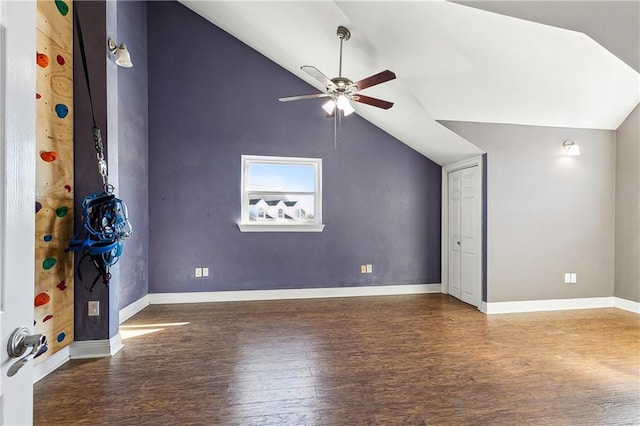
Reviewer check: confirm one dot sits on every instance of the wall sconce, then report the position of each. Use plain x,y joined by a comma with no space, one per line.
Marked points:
123,58
571,147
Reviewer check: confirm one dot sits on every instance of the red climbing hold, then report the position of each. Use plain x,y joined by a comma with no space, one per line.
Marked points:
49,156
42,299
42,60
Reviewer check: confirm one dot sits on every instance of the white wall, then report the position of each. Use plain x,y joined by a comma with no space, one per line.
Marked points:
547,213
627,265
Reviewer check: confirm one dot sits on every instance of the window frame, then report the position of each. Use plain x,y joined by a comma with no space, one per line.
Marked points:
280,226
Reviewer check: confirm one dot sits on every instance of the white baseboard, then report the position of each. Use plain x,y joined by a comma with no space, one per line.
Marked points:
50,364
307,293
548,305
96,348
627,305
133,308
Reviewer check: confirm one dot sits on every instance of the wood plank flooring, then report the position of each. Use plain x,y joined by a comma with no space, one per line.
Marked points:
400,360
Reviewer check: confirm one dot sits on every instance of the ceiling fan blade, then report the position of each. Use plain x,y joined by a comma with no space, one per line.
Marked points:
381,77
315,73
372,101
297,98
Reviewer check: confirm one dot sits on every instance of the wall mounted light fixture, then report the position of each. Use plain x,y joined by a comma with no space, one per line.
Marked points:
123,58
571,147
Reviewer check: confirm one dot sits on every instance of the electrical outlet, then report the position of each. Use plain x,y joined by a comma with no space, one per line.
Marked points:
363,269
574,278
369,269
198,272
205,272
94,308
567,277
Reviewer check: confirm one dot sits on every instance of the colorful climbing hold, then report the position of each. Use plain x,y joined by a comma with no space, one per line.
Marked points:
60,59
49,156
62,110
62,285
38,206
42,299
60,337
38,95
47,238
68,188
49,263
47,318
62,211
42,60
63,8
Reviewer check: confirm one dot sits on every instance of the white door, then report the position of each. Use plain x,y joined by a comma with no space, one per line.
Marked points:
455,238
465,235
17,183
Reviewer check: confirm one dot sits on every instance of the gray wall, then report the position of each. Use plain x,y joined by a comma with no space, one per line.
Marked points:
133,152
212,99
627,272
547,213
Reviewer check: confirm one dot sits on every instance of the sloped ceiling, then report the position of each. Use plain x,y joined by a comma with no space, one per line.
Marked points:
453,62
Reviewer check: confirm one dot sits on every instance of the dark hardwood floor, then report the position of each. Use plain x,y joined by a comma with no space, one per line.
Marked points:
401,360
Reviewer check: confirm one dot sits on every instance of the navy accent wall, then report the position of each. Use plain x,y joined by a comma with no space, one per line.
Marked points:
133,152
86,177
212,99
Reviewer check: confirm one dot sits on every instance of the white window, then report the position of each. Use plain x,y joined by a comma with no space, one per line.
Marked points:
281,194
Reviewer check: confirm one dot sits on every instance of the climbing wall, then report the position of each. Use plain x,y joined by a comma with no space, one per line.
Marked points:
54,174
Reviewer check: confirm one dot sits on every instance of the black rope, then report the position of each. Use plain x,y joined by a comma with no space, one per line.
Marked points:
84,60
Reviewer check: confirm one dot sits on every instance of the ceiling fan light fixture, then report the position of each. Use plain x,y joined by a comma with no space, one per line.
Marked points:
329,106
342,101
344,105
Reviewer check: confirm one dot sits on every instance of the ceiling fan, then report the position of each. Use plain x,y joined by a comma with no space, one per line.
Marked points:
341,90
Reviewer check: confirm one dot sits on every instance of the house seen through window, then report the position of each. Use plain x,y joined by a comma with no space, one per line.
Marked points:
281,191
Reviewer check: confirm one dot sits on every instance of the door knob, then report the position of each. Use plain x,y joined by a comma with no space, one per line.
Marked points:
19,343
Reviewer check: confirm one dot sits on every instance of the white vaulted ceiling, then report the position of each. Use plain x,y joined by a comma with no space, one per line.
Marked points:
453,61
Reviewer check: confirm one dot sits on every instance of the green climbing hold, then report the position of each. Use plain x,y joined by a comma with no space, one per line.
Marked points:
63,8
49,263
62,211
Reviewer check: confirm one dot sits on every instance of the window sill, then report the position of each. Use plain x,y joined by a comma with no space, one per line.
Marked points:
257,227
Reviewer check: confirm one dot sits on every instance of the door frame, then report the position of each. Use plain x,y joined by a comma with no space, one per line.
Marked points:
444,271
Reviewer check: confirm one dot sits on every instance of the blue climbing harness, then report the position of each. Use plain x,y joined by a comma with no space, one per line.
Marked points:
105,225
